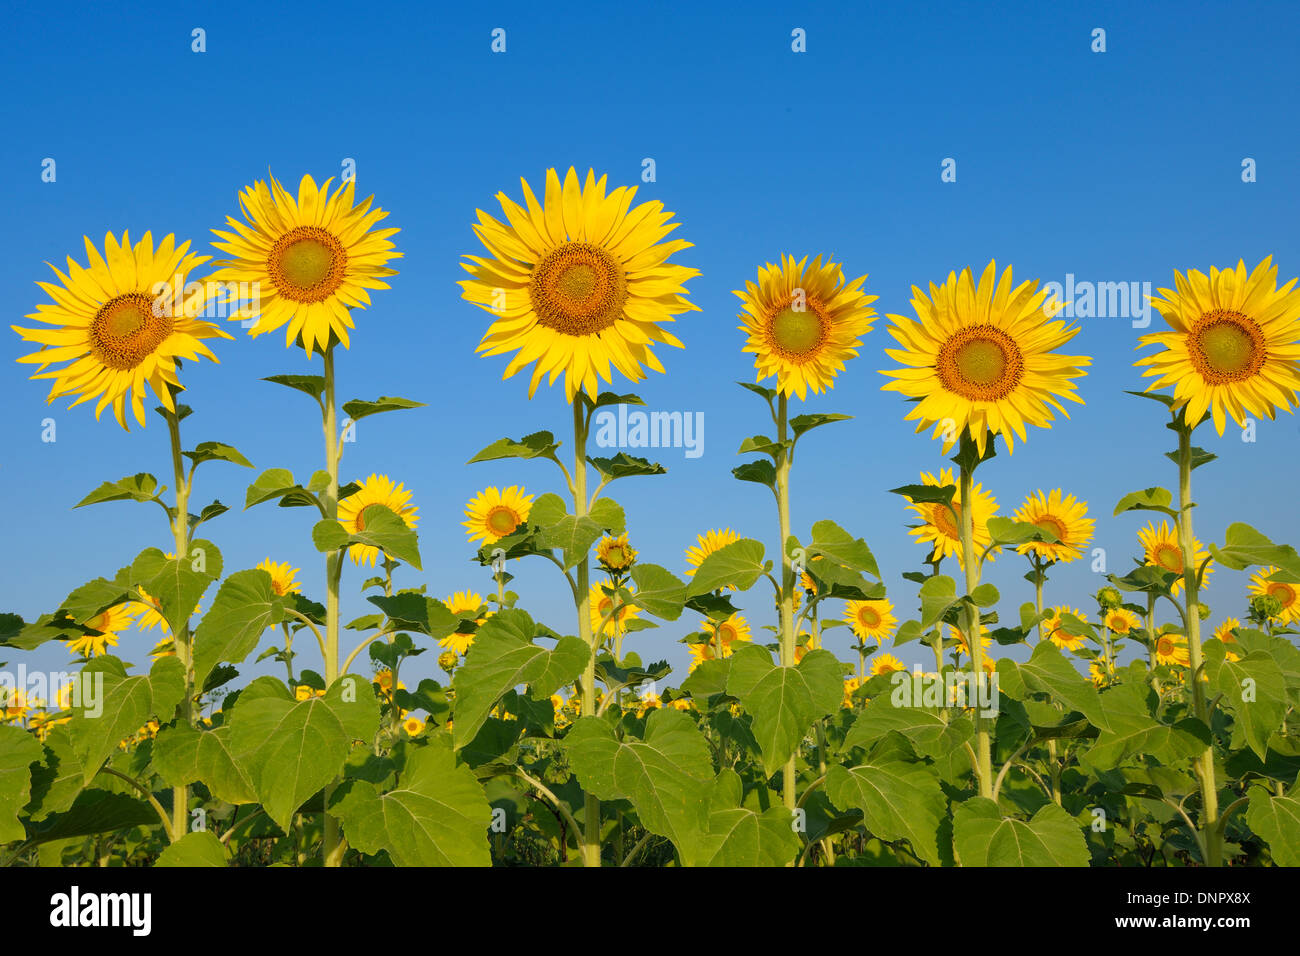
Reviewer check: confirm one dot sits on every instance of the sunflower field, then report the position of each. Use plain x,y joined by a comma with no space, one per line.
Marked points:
1026,740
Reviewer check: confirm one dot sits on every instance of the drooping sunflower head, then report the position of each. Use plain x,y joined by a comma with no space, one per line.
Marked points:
871,619
1233,345
605,621
803,322
1056,629
494,514
1285,593
121,323
615,554
942,527
734,629
355,509
1120,620
982,359
886,664
283,576
578,282
1061,516
1162,549
109,624
310,259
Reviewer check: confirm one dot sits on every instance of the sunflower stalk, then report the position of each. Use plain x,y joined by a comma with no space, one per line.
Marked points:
181,636
591,810
787,573
968,459
333,846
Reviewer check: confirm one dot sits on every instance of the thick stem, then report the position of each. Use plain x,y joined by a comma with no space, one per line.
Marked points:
591,808
1213,838
983,761
787,576
181,637
332,846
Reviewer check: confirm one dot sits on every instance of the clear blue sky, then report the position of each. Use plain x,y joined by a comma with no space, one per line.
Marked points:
1114,167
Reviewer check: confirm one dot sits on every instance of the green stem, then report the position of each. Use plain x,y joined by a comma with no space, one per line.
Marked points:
983,762
787,576
1213,837
333,846
181,637
591,808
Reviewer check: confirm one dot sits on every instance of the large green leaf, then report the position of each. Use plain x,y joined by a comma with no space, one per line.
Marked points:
1133,730
199,848
659,591
58,778
358,409
1048,672
1147,499
1253,687
245,606
898,800
784,701
1244,547
182,755
573,536
1277,820
739,836
140,487
437,815
982,836
834,543
736,565
502,657
538,444
127,703
177,588
18,751
933,731
384,530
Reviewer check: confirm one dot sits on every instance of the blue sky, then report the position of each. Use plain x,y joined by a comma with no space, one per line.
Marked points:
1115,166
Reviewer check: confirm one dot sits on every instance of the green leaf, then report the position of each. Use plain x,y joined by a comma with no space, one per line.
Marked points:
806,423
275,483
18,751
767,393
198,848
831,541
608,513
982,836
624,465
1007,531
1244,547
784,701
139,487
708,678
178,588
95,811
290,749
1254,687
93,597
1132,730
937,595
245,606
658,590
313,385
216,451
413,611
667,776
384,530
926,494
358,409
536,445
182,755
739,836
1147,499
125,705
59,777
1048,672
1277,820
760,472
502,657
737,564
1199,457
437,815
931,730
572,536
760,444
898,800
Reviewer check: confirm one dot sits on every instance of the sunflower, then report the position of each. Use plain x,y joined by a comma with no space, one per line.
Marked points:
307,692
14,703
413,726
149,610
465,606
121,324
940,527
699,654
1233,347
851,684
578,282
109,624
707,543
601,597
375,490
311,259
986,639
682,703
1283,592
983,358
647,702
1120,620
733,630
803,323
886,664
495,514
615,554
1098,672
1061,516
1227,633
1052,627
1170,649
871,619
1164,551
283,576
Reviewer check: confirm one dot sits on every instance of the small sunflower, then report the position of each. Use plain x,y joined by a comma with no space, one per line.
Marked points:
1227,633
886,664
312,258
986,639
1171,649
1061,516
283,576
871,619
120,324
851,684
1233,347
939,526
464,605
735,629
1285,593
448,660
803,323
602,603
413,726
1120,620
1163,550
1098,672
375,490
615,554
578,283
699,654
647,702
109,624
495,514
706,544
149,612
1053,628
983,358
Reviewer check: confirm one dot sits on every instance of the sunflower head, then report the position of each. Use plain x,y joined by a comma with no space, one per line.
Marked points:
120,324
735,629
982,360
1055,628
872,620
1060,516
311,259
1162,549
803,322
1120,620
1170,649
494,514
578,282
355,509
1233,344
705,544
605,620
283,576
1274,600
615,554
941,526
886,664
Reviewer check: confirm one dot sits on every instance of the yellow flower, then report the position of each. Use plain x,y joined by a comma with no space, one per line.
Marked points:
577,283
615,554
885,664
1121,620
601,597
1061,516
734,629
447,660
983,358
494,514
1171,649
1227,632
850,685
963,647
939,526
708,543
115,328
871,619
304,692
1098,673
1052,627
805,642
803,323
377,490
384,678
282,576
699,654
1233,347
413,726
109,624
1163,550
682,703
647,702
149,612
14,703
464,605
312,258
1281,590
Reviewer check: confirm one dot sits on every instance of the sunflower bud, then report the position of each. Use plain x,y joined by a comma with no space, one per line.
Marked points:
448,660
1109,597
